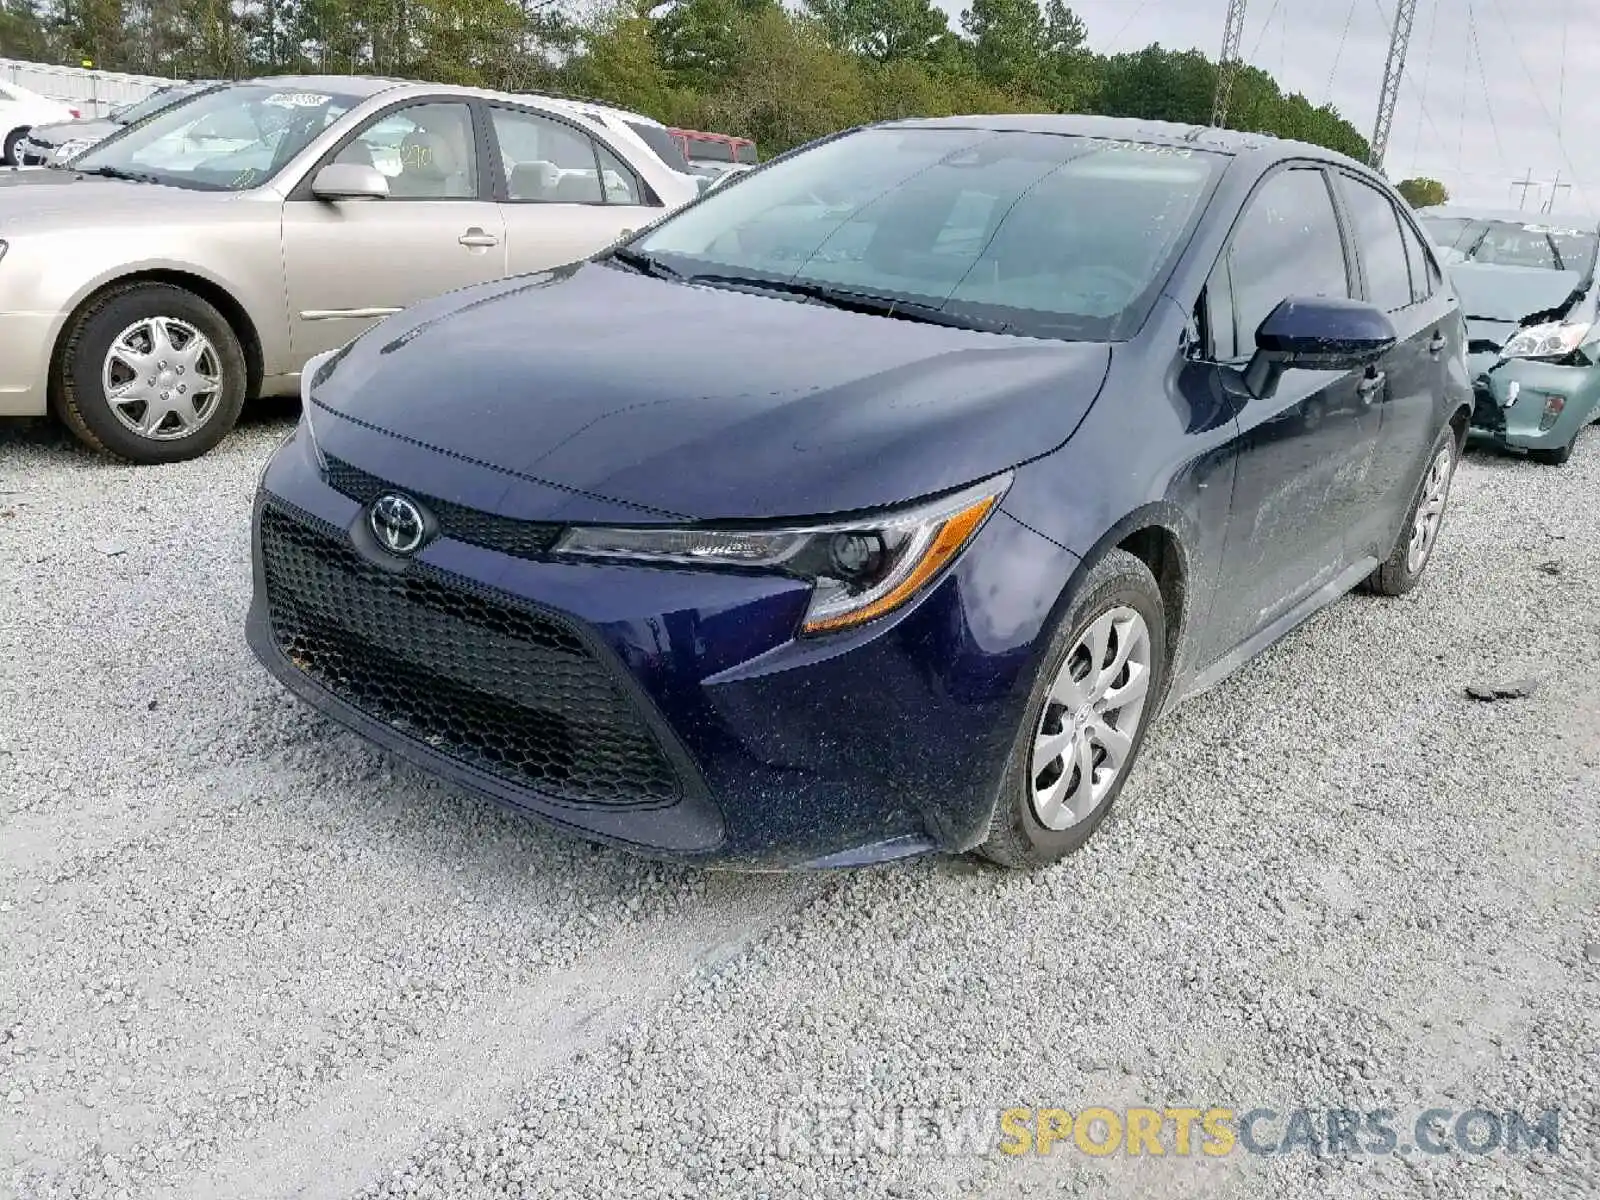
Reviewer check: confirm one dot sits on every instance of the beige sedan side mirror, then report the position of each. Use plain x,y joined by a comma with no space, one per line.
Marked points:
350,181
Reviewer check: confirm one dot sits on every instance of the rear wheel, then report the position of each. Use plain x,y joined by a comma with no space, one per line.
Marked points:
1411,555
150,373
1085,721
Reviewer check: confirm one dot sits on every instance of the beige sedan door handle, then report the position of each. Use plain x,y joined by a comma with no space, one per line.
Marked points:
476,237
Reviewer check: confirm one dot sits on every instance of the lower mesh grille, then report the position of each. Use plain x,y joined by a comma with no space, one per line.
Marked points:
471,673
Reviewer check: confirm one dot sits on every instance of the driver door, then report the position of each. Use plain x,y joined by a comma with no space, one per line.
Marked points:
349,264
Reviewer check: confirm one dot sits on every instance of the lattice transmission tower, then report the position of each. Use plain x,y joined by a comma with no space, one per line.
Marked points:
1228,63
1393,71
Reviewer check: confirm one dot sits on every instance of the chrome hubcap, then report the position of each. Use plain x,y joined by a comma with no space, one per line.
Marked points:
162,378
1086,731
1430,512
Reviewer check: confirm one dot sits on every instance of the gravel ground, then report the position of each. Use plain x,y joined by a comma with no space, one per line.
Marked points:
245,956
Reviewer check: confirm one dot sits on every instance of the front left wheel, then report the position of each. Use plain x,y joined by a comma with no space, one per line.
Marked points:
1102,680
150,373
10,152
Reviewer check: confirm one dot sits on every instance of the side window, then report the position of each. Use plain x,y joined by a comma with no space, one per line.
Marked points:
1287,244
546,161
1424,275
622,186
426,150
1383,252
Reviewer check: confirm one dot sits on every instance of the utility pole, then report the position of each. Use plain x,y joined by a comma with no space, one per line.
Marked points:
1228,63
1526,182
1394,69
1556,188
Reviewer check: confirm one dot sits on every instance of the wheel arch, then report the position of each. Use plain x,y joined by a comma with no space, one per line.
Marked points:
1159,535
212,292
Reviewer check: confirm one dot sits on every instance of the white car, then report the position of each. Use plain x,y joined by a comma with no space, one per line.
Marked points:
644,133
20,111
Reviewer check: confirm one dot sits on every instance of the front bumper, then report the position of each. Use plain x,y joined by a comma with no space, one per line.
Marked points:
667,710
1523,424
26,340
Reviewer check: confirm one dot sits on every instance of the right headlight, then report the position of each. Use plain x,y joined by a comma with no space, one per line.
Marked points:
1554,340
860,569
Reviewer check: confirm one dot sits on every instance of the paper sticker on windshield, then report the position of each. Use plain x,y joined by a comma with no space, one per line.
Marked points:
1554,232
297,99
1152,148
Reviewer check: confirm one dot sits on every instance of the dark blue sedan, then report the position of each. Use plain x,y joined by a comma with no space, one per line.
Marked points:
874,505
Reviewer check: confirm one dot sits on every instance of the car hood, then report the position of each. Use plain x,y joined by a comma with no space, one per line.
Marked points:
73,131
1510,294
55,196
703,403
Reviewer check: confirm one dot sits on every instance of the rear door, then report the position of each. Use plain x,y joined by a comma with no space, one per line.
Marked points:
563,193
1302,451
1399,277
350,263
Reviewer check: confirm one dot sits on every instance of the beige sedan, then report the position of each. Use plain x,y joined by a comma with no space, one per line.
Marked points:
201,257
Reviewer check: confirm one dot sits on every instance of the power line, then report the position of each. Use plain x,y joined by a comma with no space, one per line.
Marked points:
1262,35
1344,34
1427,71
1537,95
1488,100
1123,28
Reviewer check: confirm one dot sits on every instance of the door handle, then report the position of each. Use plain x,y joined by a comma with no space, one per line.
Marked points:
1436,347
1369,385
476,237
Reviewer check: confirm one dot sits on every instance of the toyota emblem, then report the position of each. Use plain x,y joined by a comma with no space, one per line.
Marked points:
397,524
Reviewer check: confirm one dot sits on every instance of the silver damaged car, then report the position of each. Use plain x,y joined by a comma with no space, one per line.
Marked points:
200,257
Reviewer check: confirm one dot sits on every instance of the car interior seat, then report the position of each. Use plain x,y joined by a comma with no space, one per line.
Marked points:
535,179
430,166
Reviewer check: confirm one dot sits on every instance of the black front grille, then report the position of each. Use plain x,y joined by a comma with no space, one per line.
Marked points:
474,674
520,539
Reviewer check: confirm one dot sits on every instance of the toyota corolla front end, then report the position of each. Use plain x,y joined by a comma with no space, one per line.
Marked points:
513,596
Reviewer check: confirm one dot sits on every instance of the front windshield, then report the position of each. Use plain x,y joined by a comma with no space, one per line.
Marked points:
234,138
1519,244
1040,234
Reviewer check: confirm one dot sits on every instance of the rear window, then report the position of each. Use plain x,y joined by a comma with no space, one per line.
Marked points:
662,142
746,153
710,149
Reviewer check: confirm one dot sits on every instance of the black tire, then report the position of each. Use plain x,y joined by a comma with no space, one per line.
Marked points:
1017,838
1554,458
8,154
1396,576
79,396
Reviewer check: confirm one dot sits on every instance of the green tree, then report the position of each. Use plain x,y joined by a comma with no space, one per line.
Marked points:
1422,192
1008,42
881,30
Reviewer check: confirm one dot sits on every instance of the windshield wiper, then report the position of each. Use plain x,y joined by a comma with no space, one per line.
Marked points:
645,263
119,173
853,301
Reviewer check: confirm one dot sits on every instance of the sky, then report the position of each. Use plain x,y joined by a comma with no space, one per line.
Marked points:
1473,113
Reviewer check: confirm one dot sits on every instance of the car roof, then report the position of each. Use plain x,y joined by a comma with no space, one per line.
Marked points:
1235,142
1516,216
340,85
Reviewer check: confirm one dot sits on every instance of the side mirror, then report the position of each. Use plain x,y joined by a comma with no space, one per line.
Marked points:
1318,333
350,181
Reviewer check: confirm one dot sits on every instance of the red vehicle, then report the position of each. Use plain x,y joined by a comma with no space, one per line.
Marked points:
715,147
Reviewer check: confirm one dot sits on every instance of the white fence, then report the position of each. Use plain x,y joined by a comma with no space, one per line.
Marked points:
93,93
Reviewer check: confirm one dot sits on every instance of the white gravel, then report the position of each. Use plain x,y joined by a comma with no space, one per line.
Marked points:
242,955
